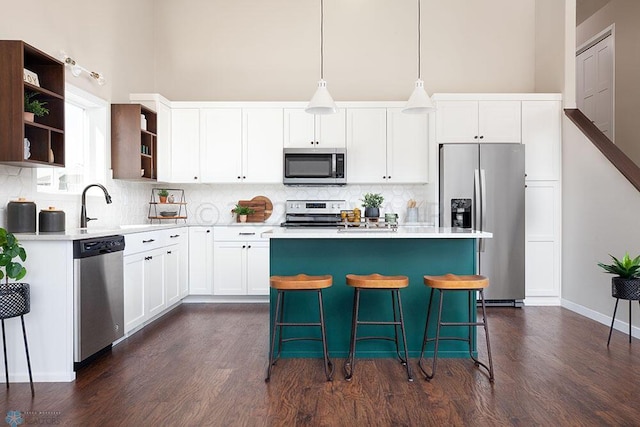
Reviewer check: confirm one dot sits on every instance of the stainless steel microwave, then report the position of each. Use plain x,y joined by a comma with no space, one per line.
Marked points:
315,166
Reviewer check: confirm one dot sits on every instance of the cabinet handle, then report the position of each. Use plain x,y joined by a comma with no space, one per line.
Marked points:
481,136
246,234
244,246
148,241
249,247
208,231
169,252
384,177
475,137
311,142
147,258
389,177
174,236
244,177
239,177
195,178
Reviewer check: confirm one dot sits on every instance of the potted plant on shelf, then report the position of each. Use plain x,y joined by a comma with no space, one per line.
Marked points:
242,212
14,297
162,195
372,203
33,107
626,284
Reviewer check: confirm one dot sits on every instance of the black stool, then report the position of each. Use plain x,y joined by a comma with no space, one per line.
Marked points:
298,283
451,282
14,302
385,283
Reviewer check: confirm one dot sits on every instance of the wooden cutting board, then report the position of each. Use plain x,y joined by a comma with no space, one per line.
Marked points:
258,206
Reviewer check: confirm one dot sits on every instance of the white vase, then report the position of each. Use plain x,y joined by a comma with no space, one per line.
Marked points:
242,218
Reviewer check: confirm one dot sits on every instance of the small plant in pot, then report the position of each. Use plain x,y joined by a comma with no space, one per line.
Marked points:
33,107
14,297
372,203
242,212
626,284
162,195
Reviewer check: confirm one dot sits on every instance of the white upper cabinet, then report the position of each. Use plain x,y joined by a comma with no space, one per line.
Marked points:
262,145
385,145
304,130
185,146
221,148
366,145
407,147
478,121
541,135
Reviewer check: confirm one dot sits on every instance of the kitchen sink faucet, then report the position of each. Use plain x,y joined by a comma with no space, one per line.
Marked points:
83,211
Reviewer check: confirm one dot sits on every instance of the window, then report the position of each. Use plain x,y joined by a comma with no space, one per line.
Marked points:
85,145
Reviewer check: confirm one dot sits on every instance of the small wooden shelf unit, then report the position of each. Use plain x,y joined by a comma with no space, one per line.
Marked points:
134,149
179,206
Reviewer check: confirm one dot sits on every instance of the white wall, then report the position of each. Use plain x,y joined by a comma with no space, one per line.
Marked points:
220,50
549,51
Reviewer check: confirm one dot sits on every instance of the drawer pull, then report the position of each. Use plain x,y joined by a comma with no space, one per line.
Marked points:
149,241
174,236
247,234
169,252
147,258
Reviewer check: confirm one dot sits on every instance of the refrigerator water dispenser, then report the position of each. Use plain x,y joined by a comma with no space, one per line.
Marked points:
461,213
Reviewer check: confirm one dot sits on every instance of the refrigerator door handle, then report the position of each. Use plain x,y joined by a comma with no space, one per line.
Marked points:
483,204
477,200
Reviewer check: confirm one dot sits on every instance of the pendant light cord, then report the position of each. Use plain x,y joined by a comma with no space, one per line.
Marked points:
321,39
419,37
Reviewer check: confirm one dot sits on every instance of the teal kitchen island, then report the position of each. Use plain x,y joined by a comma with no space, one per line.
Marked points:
411,251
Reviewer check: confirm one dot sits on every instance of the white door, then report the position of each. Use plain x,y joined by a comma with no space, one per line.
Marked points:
299,128
258,268
542,136
331,130
229,273
366,145
221,145
407,147
456,121
499,121
172,274
154,295
263,142
133,291
185,145
595,84
200,261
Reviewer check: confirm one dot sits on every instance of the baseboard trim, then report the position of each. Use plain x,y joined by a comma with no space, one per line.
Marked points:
619,325
542,301
250,299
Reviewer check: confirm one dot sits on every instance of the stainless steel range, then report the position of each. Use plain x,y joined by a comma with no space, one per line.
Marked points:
313,213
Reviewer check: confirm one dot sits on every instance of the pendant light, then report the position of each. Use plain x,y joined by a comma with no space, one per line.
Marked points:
322,102
419,102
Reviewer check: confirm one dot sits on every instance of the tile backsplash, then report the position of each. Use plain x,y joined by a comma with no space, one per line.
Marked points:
207,204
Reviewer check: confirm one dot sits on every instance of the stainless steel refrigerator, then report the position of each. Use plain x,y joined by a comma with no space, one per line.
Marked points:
482,187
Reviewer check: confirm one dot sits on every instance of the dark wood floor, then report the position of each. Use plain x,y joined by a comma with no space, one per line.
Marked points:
204,365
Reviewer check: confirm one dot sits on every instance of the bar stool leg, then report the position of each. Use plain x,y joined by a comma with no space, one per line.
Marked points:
486,333
4,348
328,366
404,335
612,321
273,337
425,338
350,362
26,349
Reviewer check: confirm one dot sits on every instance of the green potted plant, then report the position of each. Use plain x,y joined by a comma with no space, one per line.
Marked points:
242,212
626,284
33,107
14,297
162,195
372,203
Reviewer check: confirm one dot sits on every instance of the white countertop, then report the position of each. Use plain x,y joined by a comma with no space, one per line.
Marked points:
89,232
401,232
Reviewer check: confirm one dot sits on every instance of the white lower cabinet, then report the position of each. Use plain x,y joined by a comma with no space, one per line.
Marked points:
155,274
241,262
542,248
200,260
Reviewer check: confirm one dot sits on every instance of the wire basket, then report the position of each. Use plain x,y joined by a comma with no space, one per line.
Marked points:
14,300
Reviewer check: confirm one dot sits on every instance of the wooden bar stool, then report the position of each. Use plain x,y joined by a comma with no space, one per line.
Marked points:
385,283
451,282
298,283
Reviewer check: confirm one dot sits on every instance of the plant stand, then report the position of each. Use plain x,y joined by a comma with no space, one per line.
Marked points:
14,302
627,289
173,209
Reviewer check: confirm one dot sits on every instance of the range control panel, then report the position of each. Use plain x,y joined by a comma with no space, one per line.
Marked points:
315,206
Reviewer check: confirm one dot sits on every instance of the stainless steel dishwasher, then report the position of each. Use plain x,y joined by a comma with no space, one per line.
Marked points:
99,294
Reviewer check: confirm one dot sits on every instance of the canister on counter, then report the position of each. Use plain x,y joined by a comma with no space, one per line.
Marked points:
51,220
21,216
